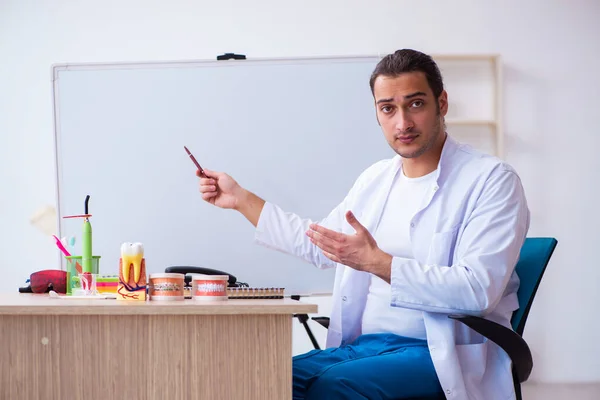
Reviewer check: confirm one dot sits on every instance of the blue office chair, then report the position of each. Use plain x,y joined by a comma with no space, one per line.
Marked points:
534,257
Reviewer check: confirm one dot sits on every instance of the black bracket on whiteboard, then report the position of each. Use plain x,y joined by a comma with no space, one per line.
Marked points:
231,56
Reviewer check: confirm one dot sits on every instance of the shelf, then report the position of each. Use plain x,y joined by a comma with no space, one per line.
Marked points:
471,79
465,57
470,122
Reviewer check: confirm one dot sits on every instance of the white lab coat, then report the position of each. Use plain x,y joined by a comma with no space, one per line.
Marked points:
466,241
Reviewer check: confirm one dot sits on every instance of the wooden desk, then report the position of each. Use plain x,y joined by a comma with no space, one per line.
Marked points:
104,349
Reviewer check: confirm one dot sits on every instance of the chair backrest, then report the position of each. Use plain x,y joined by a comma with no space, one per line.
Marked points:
535,255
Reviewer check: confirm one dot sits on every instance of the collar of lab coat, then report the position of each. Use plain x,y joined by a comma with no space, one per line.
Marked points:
449,148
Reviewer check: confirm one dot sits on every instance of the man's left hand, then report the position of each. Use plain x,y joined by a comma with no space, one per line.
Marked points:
358,251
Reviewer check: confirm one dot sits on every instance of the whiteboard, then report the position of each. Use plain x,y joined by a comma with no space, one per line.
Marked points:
297,132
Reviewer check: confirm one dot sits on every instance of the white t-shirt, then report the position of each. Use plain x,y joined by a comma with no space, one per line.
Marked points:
393,236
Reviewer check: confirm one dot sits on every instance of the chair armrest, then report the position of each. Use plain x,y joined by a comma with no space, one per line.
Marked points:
510,341
324,321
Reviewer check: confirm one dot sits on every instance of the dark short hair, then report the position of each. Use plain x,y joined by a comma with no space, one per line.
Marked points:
408,60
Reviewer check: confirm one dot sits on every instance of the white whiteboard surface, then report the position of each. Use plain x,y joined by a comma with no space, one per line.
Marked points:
295,132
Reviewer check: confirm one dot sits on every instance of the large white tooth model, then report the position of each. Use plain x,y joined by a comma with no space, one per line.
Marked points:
132,254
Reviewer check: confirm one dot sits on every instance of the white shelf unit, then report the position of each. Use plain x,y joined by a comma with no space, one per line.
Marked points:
474,86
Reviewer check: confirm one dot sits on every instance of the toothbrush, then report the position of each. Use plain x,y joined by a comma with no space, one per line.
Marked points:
66,252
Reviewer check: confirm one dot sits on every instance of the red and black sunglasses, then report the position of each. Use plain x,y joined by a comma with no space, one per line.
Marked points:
45,281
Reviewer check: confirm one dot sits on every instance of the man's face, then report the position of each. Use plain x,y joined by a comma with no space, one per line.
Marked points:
410,116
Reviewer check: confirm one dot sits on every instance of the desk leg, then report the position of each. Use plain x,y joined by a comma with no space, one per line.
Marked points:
146,356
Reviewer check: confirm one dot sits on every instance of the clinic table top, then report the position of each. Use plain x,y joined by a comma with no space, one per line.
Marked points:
43,304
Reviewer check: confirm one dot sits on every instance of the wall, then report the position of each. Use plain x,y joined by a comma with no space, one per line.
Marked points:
550,52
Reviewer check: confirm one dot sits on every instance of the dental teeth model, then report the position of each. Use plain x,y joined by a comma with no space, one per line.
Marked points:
132,286
132,255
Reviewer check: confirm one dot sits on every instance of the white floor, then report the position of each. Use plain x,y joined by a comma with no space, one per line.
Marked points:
540,391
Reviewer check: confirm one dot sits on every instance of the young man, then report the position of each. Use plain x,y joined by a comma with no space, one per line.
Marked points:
435,230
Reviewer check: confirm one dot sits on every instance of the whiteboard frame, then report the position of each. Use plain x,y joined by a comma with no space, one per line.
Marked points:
57,68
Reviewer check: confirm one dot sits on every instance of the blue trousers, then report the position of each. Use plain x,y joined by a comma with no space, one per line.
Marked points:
375,366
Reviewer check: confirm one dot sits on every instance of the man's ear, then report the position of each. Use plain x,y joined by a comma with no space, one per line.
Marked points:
443,103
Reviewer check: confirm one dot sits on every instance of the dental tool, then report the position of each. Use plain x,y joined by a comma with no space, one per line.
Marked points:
86,238
195,161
